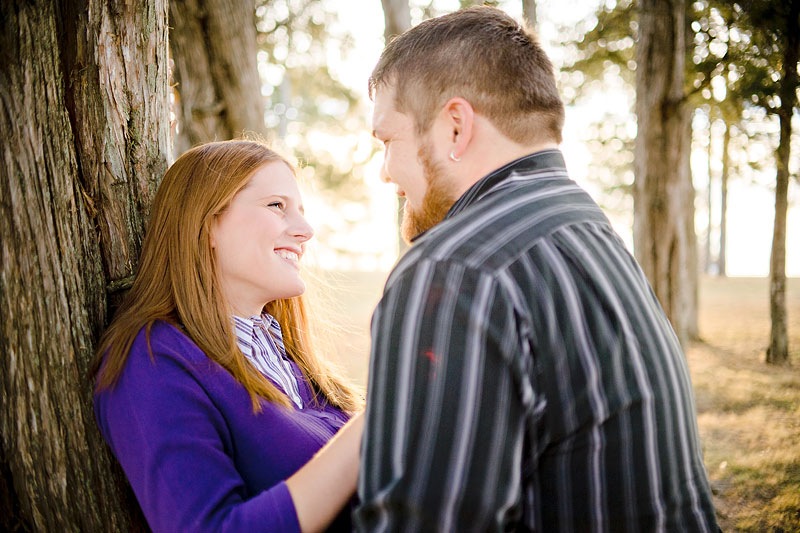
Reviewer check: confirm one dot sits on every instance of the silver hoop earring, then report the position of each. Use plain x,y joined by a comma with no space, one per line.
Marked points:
454,158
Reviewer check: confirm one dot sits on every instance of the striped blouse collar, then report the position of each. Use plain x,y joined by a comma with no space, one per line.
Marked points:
243,327
260,339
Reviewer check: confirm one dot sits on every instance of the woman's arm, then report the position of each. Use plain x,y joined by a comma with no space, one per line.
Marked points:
332,473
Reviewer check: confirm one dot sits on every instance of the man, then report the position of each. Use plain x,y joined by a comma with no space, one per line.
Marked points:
523,375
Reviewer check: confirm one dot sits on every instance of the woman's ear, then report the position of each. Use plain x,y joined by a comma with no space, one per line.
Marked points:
211,227
460,117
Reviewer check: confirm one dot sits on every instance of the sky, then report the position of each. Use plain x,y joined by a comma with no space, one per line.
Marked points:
750,206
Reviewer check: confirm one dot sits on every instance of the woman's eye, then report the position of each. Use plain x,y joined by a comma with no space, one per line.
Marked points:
279,205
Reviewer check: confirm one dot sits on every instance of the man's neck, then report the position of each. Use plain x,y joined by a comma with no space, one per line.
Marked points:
489,156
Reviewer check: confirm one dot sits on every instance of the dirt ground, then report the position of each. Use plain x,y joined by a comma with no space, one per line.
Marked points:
748,412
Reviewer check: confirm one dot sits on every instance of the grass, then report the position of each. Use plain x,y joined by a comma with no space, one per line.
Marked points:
748,412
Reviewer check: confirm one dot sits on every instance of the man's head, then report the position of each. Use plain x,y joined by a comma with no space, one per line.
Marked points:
484,56
472,84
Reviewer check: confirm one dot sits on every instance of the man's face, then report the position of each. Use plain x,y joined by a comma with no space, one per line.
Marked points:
411,164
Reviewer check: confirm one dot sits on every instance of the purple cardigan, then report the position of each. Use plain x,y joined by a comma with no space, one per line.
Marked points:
196,455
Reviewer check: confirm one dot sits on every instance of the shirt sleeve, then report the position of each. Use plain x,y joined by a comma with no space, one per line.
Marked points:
444,431
169,438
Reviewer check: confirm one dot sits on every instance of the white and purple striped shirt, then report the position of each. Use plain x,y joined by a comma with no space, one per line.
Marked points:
261,341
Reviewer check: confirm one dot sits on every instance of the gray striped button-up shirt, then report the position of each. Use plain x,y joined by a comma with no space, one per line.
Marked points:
524,377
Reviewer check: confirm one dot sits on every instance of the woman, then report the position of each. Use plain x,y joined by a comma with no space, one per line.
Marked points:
208,391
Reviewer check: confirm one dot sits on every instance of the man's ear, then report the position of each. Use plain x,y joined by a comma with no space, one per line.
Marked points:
460,117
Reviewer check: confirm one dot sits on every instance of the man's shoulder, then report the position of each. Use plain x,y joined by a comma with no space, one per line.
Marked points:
504,224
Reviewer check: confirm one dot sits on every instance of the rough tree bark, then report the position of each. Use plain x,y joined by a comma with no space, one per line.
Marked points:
83,122
778,350
214,50
664,239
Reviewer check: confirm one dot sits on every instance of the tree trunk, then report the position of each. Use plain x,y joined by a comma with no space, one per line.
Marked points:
690,282
214,50
83,107
663,192
778,351
707,256
396,19
529,13
722,260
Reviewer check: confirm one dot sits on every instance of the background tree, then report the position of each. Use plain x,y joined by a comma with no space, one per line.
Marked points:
710,65
218,87
529,12
757,64
83,107
643,45
776,38
663,229
722,260
396,18
736,52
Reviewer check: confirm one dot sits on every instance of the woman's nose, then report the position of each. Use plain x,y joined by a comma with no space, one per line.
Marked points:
302,229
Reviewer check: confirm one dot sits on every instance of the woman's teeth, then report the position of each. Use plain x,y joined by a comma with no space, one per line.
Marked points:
286,254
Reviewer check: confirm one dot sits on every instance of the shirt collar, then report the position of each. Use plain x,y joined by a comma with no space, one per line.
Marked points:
245,327
254,321
546,159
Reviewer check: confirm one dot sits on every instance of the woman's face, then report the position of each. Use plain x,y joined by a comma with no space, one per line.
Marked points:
259,239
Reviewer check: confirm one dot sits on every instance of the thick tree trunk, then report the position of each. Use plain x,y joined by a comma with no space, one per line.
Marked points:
214,50
83,107
778,351
663,194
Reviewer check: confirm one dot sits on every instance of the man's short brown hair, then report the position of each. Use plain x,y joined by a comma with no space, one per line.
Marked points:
484,56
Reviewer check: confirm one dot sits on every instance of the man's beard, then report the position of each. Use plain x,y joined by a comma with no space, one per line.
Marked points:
435,204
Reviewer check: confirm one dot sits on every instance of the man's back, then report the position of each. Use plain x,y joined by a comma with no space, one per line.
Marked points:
533,381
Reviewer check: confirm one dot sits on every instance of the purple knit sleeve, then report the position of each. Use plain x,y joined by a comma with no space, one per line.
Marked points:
170,438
